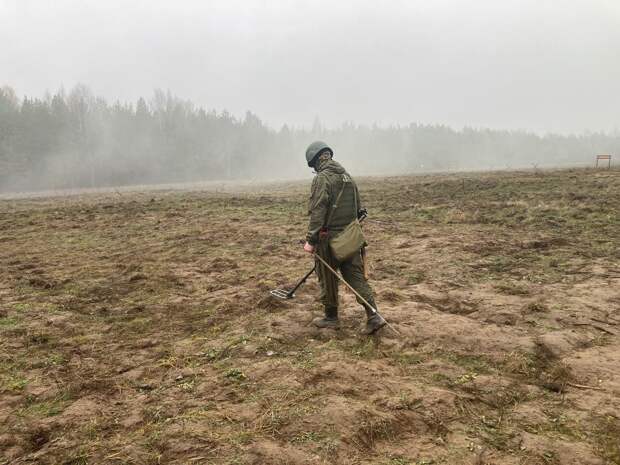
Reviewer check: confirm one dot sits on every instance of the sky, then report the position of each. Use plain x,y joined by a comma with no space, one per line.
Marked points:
542,66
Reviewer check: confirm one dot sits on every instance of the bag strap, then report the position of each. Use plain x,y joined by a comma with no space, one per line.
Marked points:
354,199
346,179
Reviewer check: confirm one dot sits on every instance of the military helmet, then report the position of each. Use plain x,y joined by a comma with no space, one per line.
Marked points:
314,150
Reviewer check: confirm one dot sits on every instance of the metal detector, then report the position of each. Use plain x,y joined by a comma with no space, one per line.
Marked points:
284,294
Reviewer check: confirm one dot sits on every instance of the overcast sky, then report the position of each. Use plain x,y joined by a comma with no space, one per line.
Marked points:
540,65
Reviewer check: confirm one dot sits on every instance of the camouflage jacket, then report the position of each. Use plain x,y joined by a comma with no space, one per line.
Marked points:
325,189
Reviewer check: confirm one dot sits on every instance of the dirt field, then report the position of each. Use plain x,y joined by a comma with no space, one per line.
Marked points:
136,328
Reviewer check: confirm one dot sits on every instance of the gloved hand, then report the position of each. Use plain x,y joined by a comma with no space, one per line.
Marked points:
362,213
308,247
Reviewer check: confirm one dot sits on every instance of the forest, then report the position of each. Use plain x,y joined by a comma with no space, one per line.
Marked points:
74,139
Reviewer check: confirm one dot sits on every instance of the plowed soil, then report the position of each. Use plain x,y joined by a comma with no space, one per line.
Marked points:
137,327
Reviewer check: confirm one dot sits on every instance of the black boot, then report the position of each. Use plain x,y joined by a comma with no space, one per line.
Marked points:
374,322
329,321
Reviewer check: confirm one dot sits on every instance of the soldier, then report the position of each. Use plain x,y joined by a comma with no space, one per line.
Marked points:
332,207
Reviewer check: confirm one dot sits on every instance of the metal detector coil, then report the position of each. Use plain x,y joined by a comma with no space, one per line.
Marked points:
289,294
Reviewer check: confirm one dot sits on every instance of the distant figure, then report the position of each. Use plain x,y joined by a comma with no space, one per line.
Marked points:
334,204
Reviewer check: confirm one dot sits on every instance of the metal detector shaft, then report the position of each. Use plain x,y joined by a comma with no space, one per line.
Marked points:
374,310
303,280
289,294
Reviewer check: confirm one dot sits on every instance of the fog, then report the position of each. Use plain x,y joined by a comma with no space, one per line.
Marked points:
442,84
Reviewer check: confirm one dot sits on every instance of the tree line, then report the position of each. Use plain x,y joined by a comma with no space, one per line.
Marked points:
75,139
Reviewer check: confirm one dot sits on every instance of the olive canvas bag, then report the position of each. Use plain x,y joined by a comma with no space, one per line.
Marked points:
351,239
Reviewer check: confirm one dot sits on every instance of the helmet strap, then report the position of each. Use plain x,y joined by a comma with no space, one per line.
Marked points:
326,155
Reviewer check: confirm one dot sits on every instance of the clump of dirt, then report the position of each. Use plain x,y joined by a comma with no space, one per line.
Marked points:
512,289
131,268
136,277
556,377
552,373
535,307
40,283
519,363
390,295
545,243
39,437
447,303
221,264
271,303
372,427
608,432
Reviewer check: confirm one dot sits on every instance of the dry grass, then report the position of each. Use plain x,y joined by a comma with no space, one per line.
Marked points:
139,329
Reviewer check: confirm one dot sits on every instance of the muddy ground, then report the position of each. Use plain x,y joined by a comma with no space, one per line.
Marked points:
136,327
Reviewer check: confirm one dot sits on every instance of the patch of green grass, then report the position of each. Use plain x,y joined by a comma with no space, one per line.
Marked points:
558,424
242,438
39,337
520,363
8,322
55,360
79,459
187,384
307,436
511,288
92,429
13,364
408,358
152,437
473,363
328,446
221,353
464,379
24,289
500,264
304,359
601,340
607,432
235,461
14,384
273,420
22,307
235,374
441,378
406,402
372,428
494,435
397,460
139,325
416,277
47,408
156,414
365,348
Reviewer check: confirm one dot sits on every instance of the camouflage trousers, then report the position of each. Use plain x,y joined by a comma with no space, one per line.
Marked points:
352,271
